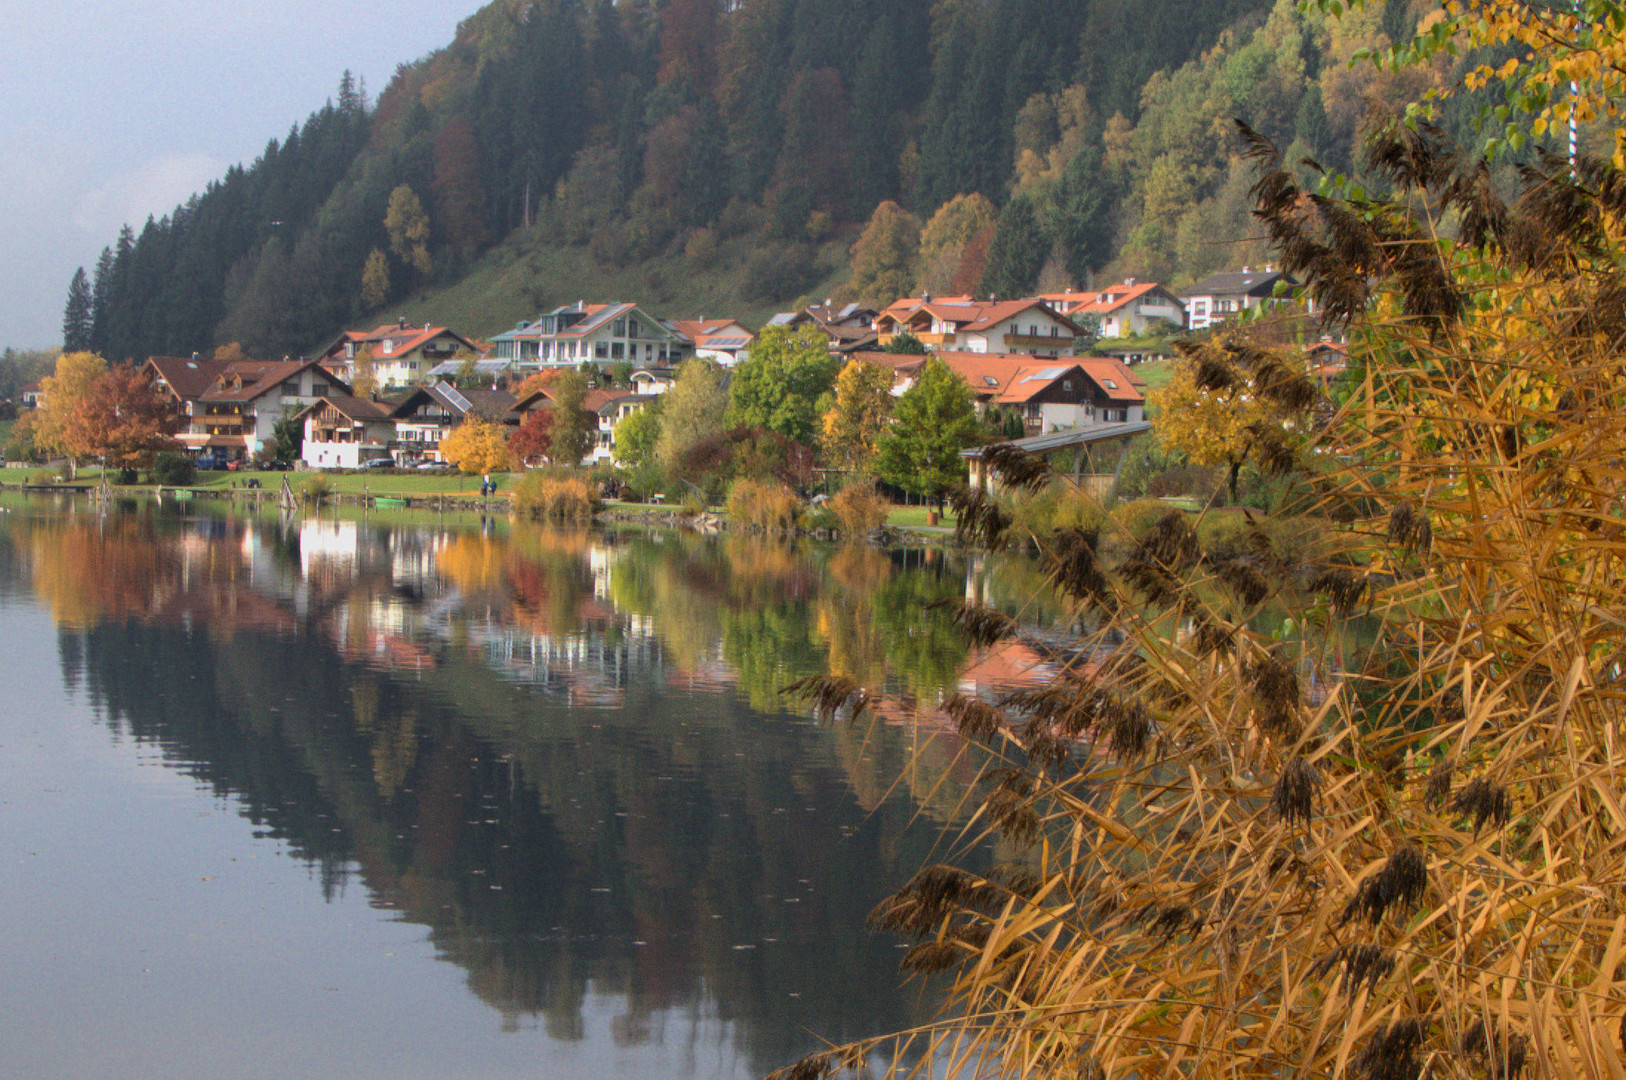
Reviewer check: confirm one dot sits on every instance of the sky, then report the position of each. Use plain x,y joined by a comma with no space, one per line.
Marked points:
111,110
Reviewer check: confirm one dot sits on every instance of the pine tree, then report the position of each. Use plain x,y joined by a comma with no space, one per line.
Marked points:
1018,252
77,324
101,287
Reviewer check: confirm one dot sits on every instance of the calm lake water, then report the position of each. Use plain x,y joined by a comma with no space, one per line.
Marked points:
343,798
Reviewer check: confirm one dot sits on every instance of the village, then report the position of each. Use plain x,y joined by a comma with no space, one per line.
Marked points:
1052,372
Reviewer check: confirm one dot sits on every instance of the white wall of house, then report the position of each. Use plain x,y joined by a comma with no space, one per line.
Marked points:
1206,311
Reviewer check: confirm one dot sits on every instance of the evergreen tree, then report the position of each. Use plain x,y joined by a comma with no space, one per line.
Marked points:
77,319
1017,253
101,286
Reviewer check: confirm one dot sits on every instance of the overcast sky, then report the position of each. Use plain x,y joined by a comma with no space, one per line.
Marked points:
111,110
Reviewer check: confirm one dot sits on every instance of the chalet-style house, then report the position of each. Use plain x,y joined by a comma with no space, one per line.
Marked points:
1219,296
602,333
961,324
344,432
849,329
230,408
401,355
428,414
1049,395
721,340
1127,310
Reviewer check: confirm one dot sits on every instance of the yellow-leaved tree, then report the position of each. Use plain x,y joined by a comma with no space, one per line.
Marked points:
476,446
76,373
863,402
1213,419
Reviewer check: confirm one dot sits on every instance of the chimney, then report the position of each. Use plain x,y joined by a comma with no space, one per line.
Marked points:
400,320
1270,268
925,298
1129,281
1247,269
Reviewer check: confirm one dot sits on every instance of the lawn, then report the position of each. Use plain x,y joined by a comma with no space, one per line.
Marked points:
914,517
1156,372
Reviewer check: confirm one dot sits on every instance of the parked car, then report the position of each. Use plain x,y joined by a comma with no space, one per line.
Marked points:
378,463
432,466
209,463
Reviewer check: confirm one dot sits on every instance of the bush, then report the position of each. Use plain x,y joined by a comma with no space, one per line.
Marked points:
545,496
1134,519
860,508
317,489
45,476
767,506
1058,506
173,469
126,477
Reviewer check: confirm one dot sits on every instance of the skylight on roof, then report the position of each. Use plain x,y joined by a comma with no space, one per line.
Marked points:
1109,384
990,380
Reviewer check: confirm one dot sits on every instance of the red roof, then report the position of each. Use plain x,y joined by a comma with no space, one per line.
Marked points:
1113,376
1101,302
971,316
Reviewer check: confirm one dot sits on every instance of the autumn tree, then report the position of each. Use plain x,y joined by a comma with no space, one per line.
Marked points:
75,374
1210,426
863,403
121,421
884,257
694,409
408,226
530,442
459,196
476,446
784,384
375,279
364,373
932,422
946,239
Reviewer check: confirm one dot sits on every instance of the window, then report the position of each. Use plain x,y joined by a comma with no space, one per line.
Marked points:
1109,384
1067,384
290,388
601,350
617,350
620,328
319,390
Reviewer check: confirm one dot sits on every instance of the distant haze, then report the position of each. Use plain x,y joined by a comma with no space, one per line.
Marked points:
111,110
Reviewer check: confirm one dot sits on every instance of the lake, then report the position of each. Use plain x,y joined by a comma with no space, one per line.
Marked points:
337,796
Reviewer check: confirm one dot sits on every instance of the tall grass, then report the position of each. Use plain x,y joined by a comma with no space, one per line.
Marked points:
861,509
543,495
1386,855
769,506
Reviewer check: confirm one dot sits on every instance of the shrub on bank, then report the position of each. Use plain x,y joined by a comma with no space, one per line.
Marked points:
1057,506
763,505
317,489
173,470
860,508
543,496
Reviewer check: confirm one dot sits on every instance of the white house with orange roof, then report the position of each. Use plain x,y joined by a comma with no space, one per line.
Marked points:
601,333
1049,395
961,324
1127,310
402,354
722,340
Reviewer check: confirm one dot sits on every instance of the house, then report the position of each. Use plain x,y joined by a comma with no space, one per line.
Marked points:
650,381
30,396
724,341
1128,310
849,329
230,408
343,432
429,413
1219,296
1058,395
606,407
402,355
961,324
602,333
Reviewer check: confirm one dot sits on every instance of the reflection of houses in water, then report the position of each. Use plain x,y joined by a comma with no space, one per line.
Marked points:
592,668
1007,666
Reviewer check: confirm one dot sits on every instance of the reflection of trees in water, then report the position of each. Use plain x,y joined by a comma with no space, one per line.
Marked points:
492,813
509,816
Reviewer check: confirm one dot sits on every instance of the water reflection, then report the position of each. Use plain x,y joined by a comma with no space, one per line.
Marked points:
563,753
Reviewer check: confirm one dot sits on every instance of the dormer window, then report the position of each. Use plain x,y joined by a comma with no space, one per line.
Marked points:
388,346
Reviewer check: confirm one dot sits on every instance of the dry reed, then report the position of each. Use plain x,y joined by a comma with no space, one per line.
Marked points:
1385,854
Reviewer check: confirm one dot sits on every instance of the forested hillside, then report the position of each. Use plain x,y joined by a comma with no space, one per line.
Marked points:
1096,131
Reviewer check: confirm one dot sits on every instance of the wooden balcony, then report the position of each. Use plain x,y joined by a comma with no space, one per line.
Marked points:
1039,341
